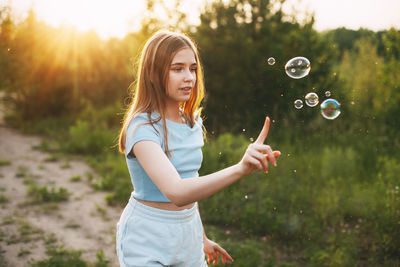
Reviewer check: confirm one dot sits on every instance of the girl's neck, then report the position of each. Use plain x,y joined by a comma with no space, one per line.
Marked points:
174,114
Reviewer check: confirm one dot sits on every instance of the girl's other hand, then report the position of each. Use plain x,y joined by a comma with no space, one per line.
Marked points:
258,155
213,250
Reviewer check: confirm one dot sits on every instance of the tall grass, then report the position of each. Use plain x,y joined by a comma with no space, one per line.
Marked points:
317,201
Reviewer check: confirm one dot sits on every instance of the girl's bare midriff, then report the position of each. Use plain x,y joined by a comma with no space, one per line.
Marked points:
165,205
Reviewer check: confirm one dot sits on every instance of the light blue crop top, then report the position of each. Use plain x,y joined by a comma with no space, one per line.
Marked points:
184,143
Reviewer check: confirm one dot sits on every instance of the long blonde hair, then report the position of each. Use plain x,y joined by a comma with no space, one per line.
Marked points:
149,91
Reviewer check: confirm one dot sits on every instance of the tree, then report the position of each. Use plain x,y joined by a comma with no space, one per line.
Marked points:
235,38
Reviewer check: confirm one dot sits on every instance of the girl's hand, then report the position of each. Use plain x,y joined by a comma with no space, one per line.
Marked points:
257,154
213,250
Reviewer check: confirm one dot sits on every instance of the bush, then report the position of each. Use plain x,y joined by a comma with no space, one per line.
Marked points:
317,201
87,139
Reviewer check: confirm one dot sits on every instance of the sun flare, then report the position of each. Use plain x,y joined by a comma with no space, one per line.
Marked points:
107,18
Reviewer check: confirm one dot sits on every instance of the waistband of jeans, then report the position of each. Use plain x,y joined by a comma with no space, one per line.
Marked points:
172,216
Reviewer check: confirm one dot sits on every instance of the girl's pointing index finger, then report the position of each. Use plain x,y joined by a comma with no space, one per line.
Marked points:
264,132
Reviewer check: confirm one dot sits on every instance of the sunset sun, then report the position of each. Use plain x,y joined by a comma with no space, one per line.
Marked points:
107,18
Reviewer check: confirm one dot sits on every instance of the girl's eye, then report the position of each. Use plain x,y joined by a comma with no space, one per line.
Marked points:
193,69
177,69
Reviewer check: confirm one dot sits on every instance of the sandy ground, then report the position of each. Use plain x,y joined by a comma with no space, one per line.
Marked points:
84,222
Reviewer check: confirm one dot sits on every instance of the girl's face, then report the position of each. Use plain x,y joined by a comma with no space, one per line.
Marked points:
181,76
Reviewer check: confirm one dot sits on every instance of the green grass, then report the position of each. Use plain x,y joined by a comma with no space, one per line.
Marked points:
4,162
51,158
329,210
42,194
23,252
22,171
26,233
3,198
76,178
61,257
66,165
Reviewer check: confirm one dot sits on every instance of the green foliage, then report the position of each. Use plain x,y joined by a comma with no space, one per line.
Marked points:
101,260
114,177
93,133
60,257
316,194
345,39
235,38
76,178
4,162
21,171
87,140
42,194
3,198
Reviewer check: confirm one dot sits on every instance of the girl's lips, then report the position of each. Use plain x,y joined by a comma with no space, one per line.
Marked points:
186,89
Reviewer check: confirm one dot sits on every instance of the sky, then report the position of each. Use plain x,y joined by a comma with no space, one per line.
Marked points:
116,18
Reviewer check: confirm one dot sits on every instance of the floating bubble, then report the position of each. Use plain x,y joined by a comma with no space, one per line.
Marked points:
327,93
271,61
298,104
312,99
330,109
298,67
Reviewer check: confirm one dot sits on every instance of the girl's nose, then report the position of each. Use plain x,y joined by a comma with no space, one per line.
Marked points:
189,76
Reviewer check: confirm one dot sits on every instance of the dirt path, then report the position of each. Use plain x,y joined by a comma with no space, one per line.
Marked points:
83,222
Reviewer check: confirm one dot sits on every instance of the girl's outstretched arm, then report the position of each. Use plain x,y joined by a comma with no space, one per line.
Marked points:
184,191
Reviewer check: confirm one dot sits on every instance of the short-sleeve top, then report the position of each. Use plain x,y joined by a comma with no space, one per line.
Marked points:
184,143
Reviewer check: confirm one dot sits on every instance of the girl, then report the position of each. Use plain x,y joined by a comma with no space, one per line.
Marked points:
162,137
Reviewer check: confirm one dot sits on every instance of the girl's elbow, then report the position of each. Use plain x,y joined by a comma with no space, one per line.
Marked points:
178,198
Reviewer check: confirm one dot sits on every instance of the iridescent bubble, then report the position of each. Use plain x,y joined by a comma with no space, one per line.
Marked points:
312,99
271,61
298,104
327,93
298,67
330,109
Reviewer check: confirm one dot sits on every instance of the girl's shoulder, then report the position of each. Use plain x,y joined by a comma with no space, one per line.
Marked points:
153,117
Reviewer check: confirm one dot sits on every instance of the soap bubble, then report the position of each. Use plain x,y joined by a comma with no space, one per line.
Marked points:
271,61
330,109
312,99
298,67
298,104
327,93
